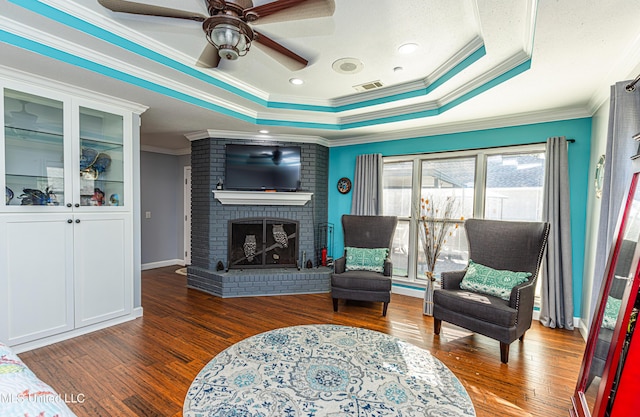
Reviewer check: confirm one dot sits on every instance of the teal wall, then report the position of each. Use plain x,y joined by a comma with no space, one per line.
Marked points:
342,164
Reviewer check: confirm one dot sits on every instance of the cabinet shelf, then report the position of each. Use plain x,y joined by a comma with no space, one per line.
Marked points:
24,137
101,145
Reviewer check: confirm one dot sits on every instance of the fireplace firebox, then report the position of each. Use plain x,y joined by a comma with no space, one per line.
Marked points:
263,243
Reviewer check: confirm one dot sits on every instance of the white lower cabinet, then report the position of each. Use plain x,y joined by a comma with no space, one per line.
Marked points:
61,272
36,280
102,267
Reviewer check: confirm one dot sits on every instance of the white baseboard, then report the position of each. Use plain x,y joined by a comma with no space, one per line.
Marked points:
162,264
582,326
408,290
24,347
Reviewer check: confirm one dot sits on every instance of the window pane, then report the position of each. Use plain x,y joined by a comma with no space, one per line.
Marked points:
396,183
514,187
400,249
443,179
450,178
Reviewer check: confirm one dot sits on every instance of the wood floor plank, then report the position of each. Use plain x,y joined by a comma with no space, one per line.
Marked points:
144,367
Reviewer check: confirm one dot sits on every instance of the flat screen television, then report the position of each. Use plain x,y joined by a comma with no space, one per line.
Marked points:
262,167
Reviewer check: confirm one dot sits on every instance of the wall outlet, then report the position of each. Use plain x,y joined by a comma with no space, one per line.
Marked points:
147,214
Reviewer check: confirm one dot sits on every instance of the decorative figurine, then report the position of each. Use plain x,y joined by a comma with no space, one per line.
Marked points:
280,236
8,195
250,246
114,200
35,197
93,163
98,197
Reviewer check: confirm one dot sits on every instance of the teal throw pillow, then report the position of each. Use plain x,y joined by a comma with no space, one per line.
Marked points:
365,259
611,310
499,283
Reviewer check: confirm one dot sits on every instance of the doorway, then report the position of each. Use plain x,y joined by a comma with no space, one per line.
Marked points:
187,215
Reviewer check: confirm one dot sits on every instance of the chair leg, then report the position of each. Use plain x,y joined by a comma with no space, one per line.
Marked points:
504,352
335,304
384,309
437,324
522,337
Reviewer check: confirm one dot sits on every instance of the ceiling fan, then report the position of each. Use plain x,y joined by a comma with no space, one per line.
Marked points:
227,27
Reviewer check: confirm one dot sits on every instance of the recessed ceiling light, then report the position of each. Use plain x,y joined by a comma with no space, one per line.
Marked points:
407,48
398,69
296,81
263,131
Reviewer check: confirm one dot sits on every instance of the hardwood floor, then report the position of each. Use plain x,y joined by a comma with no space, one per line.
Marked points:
144,367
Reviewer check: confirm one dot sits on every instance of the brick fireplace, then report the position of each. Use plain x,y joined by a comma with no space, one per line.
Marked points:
211,220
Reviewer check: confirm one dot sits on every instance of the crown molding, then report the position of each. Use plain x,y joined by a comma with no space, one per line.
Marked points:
229,134
552,115
165,151
502,68
32,80
530,26
391,91
626,68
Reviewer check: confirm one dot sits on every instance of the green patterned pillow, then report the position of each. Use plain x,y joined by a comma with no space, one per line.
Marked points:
480,278
611,310
365,259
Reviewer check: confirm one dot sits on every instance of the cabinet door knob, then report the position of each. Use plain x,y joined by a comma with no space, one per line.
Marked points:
77,220
77,205
69,221
68,204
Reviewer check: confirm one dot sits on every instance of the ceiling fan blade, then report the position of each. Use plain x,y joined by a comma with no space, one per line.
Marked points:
283,10
285,56
122,6
209,57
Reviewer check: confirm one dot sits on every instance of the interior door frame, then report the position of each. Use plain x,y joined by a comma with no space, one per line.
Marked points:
187,214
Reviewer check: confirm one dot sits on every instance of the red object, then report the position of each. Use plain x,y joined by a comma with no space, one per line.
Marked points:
626,400
324,256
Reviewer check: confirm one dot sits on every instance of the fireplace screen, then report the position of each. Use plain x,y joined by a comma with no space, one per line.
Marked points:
263,243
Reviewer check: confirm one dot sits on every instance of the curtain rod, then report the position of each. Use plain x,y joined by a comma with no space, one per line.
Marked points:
632,85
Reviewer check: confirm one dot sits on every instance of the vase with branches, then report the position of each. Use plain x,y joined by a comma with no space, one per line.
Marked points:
436,224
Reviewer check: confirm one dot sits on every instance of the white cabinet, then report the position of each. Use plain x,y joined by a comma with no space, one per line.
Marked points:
36,277
102,267
66,234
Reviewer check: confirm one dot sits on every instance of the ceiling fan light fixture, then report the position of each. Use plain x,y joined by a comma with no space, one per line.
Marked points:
231,36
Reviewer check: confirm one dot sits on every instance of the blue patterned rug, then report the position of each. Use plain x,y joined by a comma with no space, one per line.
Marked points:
325,370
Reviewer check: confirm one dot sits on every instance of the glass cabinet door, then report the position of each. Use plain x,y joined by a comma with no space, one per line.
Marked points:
101,158
34,150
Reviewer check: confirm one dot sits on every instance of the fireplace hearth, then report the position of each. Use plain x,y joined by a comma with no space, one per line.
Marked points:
263,243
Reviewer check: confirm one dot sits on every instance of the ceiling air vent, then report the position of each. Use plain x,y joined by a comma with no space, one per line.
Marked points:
372,85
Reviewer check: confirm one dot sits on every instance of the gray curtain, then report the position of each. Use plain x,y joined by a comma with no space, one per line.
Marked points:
624,122
557,289
367,186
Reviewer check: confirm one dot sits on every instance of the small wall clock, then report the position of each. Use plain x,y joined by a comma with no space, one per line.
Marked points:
344,185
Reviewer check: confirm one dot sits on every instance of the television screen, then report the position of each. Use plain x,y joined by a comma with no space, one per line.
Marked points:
260,167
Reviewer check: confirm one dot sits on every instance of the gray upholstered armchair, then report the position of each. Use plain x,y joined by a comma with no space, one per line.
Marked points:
364,232
501,245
